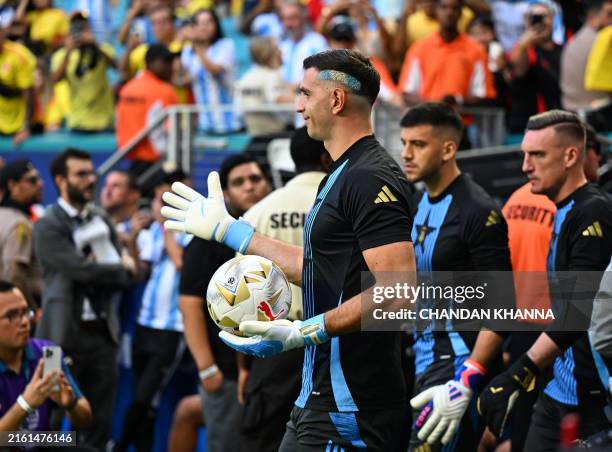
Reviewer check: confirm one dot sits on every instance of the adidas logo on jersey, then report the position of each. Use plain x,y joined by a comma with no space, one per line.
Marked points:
385,195
492,219
593,230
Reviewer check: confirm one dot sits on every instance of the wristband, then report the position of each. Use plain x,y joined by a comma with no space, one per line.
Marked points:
314,331
25,406
470,374
238,235
205,374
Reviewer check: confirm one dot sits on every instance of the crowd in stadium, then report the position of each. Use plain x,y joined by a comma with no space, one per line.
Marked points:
75,65
103,274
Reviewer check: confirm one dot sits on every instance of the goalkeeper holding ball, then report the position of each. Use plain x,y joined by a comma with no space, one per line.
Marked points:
353,391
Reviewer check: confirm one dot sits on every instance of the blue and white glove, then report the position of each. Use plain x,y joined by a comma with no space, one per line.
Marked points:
271,338
205,217
445,404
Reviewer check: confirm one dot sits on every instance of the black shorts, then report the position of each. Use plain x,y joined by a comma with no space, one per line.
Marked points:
471,428
544,432
319,431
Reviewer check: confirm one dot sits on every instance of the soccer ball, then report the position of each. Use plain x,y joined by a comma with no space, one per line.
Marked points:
247,288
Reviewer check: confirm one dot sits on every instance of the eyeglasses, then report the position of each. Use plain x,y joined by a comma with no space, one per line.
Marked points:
14,316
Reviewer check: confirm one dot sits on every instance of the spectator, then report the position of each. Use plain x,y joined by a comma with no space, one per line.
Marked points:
162,22
83,64
298,42
263,20
119,197
482,29
210,62
419,20
244,184
99,14
264,85
141,101
575,55
535,70
280,215
372,36
26,397
16,92
592,156
47,25
137,22
23,187
77,249
159,329
509,18
448,65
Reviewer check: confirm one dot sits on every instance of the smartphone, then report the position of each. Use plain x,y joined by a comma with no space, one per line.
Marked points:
536,19
52,360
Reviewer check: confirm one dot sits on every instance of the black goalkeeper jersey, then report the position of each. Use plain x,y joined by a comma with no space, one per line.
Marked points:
364,202
581,241
460,230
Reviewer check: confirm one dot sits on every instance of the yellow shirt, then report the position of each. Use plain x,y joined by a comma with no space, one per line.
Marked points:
17,66
91,97
49,25
281,215
137,56
419,25
193,6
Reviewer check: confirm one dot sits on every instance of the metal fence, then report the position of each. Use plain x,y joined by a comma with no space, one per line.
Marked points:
184,137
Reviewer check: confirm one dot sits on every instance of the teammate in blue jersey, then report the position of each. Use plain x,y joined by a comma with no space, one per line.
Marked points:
353,392
457,227
554,147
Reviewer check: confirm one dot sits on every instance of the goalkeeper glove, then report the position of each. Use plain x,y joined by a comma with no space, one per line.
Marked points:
497,400
271,338
205,217
445,404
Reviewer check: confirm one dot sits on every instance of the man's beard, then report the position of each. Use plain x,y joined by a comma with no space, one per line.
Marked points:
78,196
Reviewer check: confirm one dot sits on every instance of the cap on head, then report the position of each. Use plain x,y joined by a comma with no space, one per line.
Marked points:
13,171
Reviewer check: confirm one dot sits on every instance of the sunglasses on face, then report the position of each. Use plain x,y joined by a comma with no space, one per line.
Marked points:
14,316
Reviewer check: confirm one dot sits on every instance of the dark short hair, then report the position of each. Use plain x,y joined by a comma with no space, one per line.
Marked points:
178,175
594,6
484,21
216,19
6,286
162,7
131,178
352,63
59,166
232,162
305,151
565,124
435,114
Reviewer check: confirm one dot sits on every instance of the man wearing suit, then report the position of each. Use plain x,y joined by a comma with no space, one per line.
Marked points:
82,271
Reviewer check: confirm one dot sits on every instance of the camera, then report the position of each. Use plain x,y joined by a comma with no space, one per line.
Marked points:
536,19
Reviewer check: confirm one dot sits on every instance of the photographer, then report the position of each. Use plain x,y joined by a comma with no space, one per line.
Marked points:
84,63
26,396
535,62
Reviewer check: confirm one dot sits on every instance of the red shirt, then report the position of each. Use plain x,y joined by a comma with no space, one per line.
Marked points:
140,100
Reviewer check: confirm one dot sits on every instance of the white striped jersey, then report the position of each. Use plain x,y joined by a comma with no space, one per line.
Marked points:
160,308
212,90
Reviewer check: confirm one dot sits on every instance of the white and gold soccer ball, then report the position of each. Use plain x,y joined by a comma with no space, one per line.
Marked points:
247,288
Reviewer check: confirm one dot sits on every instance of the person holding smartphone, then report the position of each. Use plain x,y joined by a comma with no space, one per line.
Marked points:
535,67
28,394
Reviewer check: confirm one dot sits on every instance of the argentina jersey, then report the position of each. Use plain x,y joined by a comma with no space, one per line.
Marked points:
214,90
346,220
160,308
294,53
581,241
461,229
